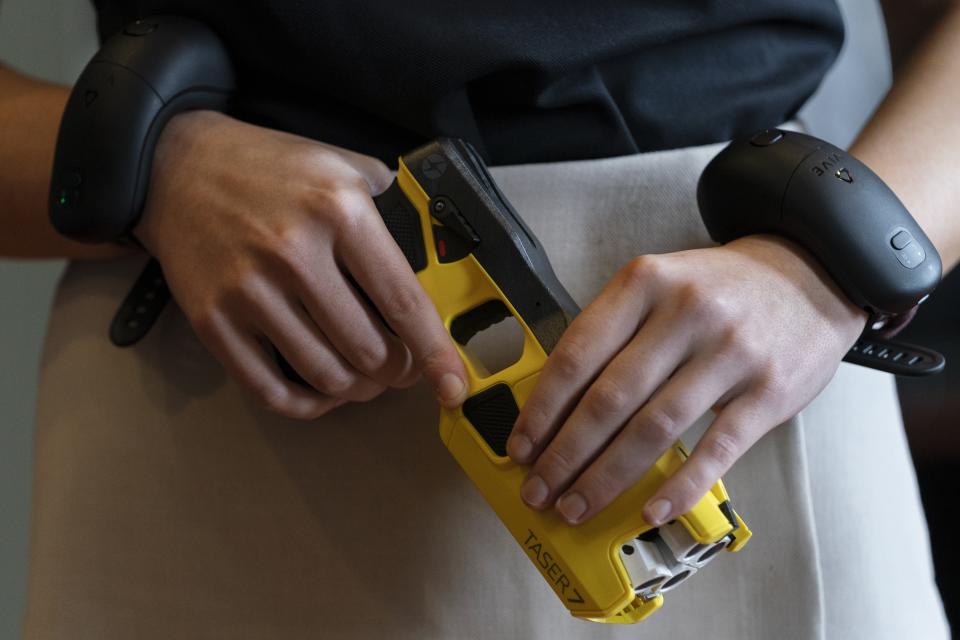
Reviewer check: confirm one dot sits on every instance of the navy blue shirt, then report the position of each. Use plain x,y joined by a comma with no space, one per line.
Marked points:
524,81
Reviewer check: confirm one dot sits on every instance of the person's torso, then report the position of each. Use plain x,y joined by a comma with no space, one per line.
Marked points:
523,81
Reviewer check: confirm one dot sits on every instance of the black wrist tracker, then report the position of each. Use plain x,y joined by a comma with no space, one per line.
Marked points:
830,203
141,77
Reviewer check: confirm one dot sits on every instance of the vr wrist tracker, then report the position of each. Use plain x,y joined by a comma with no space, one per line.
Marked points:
833,205
773,182
152,70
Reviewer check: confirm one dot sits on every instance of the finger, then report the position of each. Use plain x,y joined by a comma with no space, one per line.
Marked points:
735,430
298,339
353,329
373,170
589,343
241,354
682,399
623,387
387,279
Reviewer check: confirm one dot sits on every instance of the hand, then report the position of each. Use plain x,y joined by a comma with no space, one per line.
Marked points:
257,232
754,329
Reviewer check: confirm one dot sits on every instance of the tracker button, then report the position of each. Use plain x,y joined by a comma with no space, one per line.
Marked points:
901,239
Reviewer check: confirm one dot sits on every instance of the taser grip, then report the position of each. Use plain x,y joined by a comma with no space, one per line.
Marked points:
478,253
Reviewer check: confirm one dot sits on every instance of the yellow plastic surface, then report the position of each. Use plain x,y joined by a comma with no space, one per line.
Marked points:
580,563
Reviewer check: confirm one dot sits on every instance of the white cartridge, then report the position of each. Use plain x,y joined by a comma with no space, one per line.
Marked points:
645,566
682,546
680,570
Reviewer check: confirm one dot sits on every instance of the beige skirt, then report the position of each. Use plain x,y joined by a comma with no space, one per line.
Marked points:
166,505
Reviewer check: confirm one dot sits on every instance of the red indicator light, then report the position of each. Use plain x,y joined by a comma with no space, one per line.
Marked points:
441,248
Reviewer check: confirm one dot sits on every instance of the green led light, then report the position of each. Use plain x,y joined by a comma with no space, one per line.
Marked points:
63,200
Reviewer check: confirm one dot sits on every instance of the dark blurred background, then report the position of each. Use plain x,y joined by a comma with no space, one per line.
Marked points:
931,406
931,414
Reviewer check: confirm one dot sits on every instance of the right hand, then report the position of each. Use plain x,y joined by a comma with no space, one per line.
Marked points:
257,232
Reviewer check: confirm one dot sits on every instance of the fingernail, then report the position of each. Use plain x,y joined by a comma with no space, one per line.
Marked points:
450,388
519,446
534,490
571,507
657,511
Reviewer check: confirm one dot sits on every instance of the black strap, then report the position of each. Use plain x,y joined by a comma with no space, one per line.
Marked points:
140,309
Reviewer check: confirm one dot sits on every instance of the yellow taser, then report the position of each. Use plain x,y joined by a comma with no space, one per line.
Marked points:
480,264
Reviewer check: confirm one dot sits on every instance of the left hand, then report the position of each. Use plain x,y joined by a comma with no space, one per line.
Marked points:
753,329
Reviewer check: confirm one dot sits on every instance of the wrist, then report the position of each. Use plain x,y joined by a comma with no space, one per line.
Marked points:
830,203
799,268
181,137
105,147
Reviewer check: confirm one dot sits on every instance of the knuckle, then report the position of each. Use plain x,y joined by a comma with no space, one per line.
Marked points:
437,360
293,254
643,270
340,204
206,324
601,486
325,377
270,396
723,310
556,461
294,242
338,384
686,488
696,299
402,303
723,448
244,293
606,398
773,386
741,346
657,425
569,358
349,207
378,175
371,356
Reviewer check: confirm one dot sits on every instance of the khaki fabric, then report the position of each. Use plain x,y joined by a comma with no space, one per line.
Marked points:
168,506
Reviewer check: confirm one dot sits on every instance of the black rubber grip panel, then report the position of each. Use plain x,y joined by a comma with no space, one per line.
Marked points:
492,413
895,357
142,306
403,223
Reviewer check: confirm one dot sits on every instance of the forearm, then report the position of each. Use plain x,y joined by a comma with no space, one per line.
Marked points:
908,23
913,140
29,117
